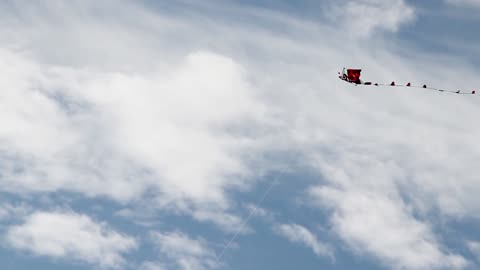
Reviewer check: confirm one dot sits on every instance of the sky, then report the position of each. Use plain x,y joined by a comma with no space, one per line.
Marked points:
195,135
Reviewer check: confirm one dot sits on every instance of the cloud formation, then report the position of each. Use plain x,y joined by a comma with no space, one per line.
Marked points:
363,18
68,236
163,131
121,131
376,224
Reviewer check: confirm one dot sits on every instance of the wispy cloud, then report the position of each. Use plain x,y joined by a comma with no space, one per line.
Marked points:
301,235
152,266
474,247
187,253
363,18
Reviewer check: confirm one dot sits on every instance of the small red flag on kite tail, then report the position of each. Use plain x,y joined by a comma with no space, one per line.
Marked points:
353,76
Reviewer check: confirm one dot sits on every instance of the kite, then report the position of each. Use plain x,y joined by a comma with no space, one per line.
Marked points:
353,76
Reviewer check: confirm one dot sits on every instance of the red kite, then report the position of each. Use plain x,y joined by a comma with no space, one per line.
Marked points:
353,76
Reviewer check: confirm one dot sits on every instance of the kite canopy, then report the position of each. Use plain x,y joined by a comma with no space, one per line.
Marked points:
352,75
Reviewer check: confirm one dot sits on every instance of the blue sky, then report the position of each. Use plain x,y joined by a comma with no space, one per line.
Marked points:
215,135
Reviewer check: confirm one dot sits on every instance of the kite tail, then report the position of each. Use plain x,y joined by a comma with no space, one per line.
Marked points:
353,76
409,85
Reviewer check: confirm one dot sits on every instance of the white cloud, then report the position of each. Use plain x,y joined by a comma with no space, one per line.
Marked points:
362,18
186,252
163,131
228,222
152,266
70,236
474,247
301,235
258,211
374,223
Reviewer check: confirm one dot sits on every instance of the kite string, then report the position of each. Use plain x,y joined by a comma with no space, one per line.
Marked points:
245,221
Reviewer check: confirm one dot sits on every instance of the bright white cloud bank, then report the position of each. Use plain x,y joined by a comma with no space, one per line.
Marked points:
70,236
97,122
180,108
164,121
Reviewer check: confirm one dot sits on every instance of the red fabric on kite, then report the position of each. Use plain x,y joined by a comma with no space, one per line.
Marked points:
353,75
